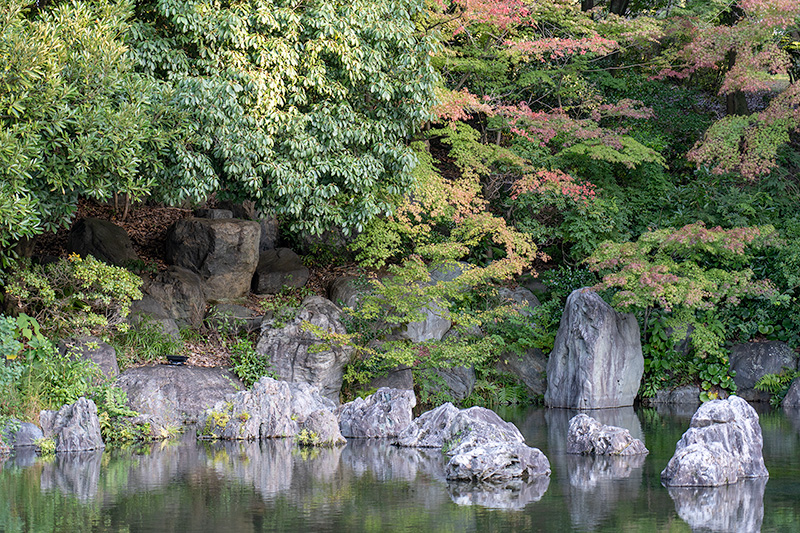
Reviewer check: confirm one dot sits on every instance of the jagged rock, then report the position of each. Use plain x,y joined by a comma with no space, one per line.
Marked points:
430,429
234,318
102,239
597,360
792,398
176,394
263,412
722,445
587,436
25,435
224,252
482,446
307,399
277,269
498,462
74,427
289,347
179,292
752,360
737,508
324,425
213,213
95,350
530,368
384,414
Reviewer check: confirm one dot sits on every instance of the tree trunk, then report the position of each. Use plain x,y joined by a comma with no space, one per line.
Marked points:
586,5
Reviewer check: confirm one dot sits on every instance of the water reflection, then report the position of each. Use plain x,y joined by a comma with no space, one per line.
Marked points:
73,474
514,494
730,508
593,486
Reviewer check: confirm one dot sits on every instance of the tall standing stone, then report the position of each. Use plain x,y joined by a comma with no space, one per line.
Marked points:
597,359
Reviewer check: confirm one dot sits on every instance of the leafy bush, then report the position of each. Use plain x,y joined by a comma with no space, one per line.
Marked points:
74,296
143,342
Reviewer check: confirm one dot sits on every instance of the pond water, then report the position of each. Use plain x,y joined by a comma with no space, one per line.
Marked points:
372,486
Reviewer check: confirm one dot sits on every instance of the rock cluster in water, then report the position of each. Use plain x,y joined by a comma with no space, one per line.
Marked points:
722,445
480,446
587,436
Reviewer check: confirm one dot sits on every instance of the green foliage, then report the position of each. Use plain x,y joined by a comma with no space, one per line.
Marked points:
114,415
74,296
777,385
307,438
304,109
248,365
145,341
691,276
74,119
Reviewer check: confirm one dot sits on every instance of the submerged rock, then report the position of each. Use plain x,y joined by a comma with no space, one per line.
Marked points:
383,414
722,445
587,436
74,427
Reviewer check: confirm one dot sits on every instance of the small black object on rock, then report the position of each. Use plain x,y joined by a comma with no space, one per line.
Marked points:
177,359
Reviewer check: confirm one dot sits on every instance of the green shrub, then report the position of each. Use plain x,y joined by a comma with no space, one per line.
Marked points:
74,296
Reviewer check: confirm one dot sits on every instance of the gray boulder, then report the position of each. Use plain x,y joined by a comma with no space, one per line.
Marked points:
587,436
296,355
384,414
269,224
792,398
306,400
430,429
102,239
401,377
18,434
176,394
151,311
180,294
457,382
224,252
483,447
278,269
752,360
597,360
347,291
95,350
263,412
324,427
74,427
722,445
522,299
530,368
686,395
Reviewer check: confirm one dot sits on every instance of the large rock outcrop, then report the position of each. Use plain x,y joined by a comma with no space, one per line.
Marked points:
722,445
294,352
74,427
430,429
587,436
102,239
224,252
597,360
176,395
384,414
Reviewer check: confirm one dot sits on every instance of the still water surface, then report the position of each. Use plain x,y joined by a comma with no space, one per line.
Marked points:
372,486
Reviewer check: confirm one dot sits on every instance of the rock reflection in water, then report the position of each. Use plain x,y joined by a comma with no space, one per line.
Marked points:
594,485
514,494
73,474
729,508
387,462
